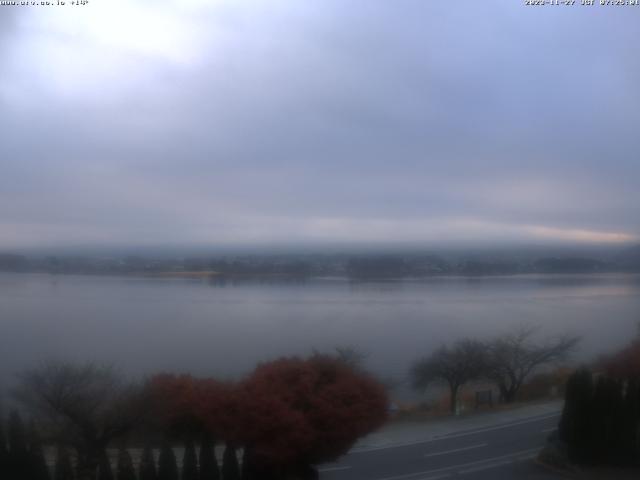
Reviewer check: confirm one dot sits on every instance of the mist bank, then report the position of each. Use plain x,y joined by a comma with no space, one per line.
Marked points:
367,264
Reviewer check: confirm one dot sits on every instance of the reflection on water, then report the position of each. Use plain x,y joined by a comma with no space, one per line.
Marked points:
224,326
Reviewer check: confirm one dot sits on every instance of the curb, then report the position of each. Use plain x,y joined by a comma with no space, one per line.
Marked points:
567,473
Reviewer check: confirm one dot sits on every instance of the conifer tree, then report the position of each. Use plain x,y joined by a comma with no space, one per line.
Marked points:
208,462
104,467
230,468
600,431
17,436
248,466
612,415
18,464
4,453
167,466
631,431
637,442
148,465
63,469
125,466
256,468
575,423
37,462
190,461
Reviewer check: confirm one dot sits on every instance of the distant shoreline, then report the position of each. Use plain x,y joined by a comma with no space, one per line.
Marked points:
221,276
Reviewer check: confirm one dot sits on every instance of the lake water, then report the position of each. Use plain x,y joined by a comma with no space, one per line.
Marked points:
146,325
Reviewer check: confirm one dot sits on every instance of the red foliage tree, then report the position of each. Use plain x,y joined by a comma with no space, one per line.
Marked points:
185,404
220,409
289,414
173,398
305,412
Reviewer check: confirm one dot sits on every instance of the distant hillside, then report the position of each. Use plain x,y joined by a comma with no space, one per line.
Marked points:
629,259
13,263
570,265
357,266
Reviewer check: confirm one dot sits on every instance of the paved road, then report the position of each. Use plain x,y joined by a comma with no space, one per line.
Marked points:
502,451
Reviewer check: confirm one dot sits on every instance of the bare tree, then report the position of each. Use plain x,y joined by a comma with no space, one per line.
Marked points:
514,356
87,406
456,365
351,355
356,359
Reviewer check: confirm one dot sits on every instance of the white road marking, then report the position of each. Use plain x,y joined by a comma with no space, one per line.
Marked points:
497,464
547,430
455,435
438,477
484,467
487,461
333,469
462,449
417,474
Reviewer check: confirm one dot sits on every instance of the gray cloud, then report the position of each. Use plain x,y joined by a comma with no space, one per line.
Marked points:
317,122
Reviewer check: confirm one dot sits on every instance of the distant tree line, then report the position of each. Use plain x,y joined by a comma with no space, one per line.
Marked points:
358,267
286,417
13,263
390,266
261,267
506,361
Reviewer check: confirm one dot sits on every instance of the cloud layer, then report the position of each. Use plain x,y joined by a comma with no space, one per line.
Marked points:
320,122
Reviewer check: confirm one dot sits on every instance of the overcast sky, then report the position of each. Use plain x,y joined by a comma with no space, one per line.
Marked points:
318,122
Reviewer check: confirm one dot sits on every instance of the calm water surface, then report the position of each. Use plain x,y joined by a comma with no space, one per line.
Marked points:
145,325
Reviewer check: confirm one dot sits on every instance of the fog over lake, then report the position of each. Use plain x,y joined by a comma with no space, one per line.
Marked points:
146,325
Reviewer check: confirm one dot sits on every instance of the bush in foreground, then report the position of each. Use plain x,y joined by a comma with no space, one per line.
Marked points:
299,413
289,415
